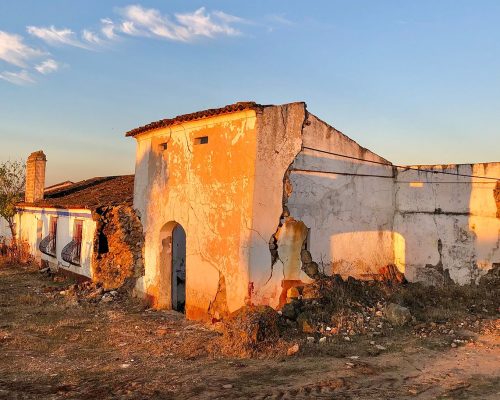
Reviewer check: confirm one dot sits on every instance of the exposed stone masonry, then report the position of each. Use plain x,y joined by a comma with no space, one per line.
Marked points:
118,246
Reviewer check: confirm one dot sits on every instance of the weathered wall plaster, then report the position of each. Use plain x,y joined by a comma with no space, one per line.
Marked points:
207,189
449,223
346,203
265,203
32,226
279,140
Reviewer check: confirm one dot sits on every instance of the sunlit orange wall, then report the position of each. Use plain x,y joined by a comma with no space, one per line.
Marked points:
207,188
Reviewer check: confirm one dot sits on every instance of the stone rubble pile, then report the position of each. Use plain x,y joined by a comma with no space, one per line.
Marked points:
118,246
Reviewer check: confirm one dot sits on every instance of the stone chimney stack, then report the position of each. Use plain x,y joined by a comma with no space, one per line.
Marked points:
35,176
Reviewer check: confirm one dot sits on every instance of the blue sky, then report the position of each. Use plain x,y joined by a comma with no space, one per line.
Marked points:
415,81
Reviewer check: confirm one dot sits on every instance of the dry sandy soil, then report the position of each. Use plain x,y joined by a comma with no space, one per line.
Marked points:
54,347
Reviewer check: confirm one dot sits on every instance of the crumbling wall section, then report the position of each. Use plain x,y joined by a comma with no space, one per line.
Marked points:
344,194
118,246
274,259
449,220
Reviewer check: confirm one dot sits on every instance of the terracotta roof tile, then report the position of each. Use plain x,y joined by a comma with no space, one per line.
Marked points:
240,106
91,193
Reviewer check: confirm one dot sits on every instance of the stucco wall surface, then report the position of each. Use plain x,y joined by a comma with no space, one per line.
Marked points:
347,203
276,192
32,226
449,223
207,189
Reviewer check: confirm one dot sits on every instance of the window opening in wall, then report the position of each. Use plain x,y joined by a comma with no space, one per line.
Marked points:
163,146
77,238
48,244
71,253
103,247
201,140
53,235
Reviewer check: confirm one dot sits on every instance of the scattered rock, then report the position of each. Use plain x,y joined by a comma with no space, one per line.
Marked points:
310,292
311,269
310,339
293,350
397,315
322,340
251,325
228,386
304,323
290,310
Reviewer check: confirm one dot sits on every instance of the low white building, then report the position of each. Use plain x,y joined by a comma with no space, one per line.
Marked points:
59,224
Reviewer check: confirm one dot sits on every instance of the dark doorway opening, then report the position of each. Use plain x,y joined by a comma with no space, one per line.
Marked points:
178,268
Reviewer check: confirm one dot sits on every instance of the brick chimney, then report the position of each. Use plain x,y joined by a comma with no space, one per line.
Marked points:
35,177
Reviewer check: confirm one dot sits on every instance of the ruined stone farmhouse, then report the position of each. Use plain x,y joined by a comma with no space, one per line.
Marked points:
236,205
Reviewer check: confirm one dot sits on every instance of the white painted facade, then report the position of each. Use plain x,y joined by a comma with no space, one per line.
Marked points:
448,222
32,225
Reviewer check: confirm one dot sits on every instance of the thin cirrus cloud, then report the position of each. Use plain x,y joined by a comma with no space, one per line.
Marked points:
47,67
132,20
14,51
147,22
22,77
184,27
54,36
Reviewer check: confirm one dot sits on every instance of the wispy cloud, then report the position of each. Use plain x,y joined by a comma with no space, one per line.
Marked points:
23,77
14,51
108,28
91,37
54,36
140,21
47,67
132,20
279,18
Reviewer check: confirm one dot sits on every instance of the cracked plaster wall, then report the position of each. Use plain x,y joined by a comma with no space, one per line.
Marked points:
279,140
349,216
449,223
207,188
253,197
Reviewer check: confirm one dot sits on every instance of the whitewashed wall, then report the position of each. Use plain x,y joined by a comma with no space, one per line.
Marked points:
449,223
347,204
28,224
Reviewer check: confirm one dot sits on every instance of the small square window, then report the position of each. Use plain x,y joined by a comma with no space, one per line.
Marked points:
163,146
201,140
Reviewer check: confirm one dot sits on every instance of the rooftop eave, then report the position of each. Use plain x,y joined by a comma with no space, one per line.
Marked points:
229,109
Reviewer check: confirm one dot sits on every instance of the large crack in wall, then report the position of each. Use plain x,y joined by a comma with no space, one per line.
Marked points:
288,244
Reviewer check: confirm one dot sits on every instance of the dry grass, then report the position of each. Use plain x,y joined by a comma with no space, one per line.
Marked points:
54,347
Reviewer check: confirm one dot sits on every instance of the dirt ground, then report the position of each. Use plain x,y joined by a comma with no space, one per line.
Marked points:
55,347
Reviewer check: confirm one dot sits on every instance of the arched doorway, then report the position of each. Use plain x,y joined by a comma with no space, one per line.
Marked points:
172,284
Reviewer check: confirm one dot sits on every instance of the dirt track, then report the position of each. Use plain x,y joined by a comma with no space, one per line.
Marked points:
52,347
